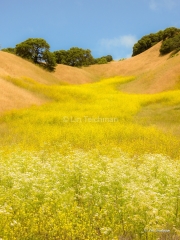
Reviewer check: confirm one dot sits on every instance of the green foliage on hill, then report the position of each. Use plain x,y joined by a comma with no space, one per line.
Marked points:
171,44
50,60
170,32
77,57
37,50
9,50
170,38
104,59
146,42
101,60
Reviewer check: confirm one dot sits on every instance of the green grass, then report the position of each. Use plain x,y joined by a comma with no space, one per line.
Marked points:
92,163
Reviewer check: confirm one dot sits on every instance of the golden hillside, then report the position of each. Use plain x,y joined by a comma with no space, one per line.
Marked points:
153,73
11,96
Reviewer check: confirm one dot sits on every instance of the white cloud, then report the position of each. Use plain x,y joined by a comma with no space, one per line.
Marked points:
153,5
118,47
125,41
168,4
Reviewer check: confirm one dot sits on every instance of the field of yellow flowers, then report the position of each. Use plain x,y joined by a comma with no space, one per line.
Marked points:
82,166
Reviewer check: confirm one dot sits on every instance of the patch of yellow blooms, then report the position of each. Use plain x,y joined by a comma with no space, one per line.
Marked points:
81,167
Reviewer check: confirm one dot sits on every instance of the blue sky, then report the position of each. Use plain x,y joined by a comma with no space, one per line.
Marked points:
103,26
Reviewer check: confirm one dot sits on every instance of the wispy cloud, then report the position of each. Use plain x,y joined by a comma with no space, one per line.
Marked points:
156,5
153,5
119,47
125,41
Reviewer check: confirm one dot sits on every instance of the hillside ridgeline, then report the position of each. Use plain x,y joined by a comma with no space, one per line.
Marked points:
153,73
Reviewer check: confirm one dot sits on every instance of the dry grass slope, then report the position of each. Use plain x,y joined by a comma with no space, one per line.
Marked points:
11,65
153,73
13,97
73,75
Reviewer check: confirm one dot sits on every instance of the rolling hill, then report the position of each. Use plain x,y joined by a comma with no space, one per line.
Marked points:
153,73
92,162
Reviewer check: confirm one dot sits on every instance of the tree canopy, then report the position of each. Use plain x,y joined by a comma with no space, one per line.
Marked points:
103,59
9,50
75,57
78,57
36,50
170,38
171,43
50,60
147,42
